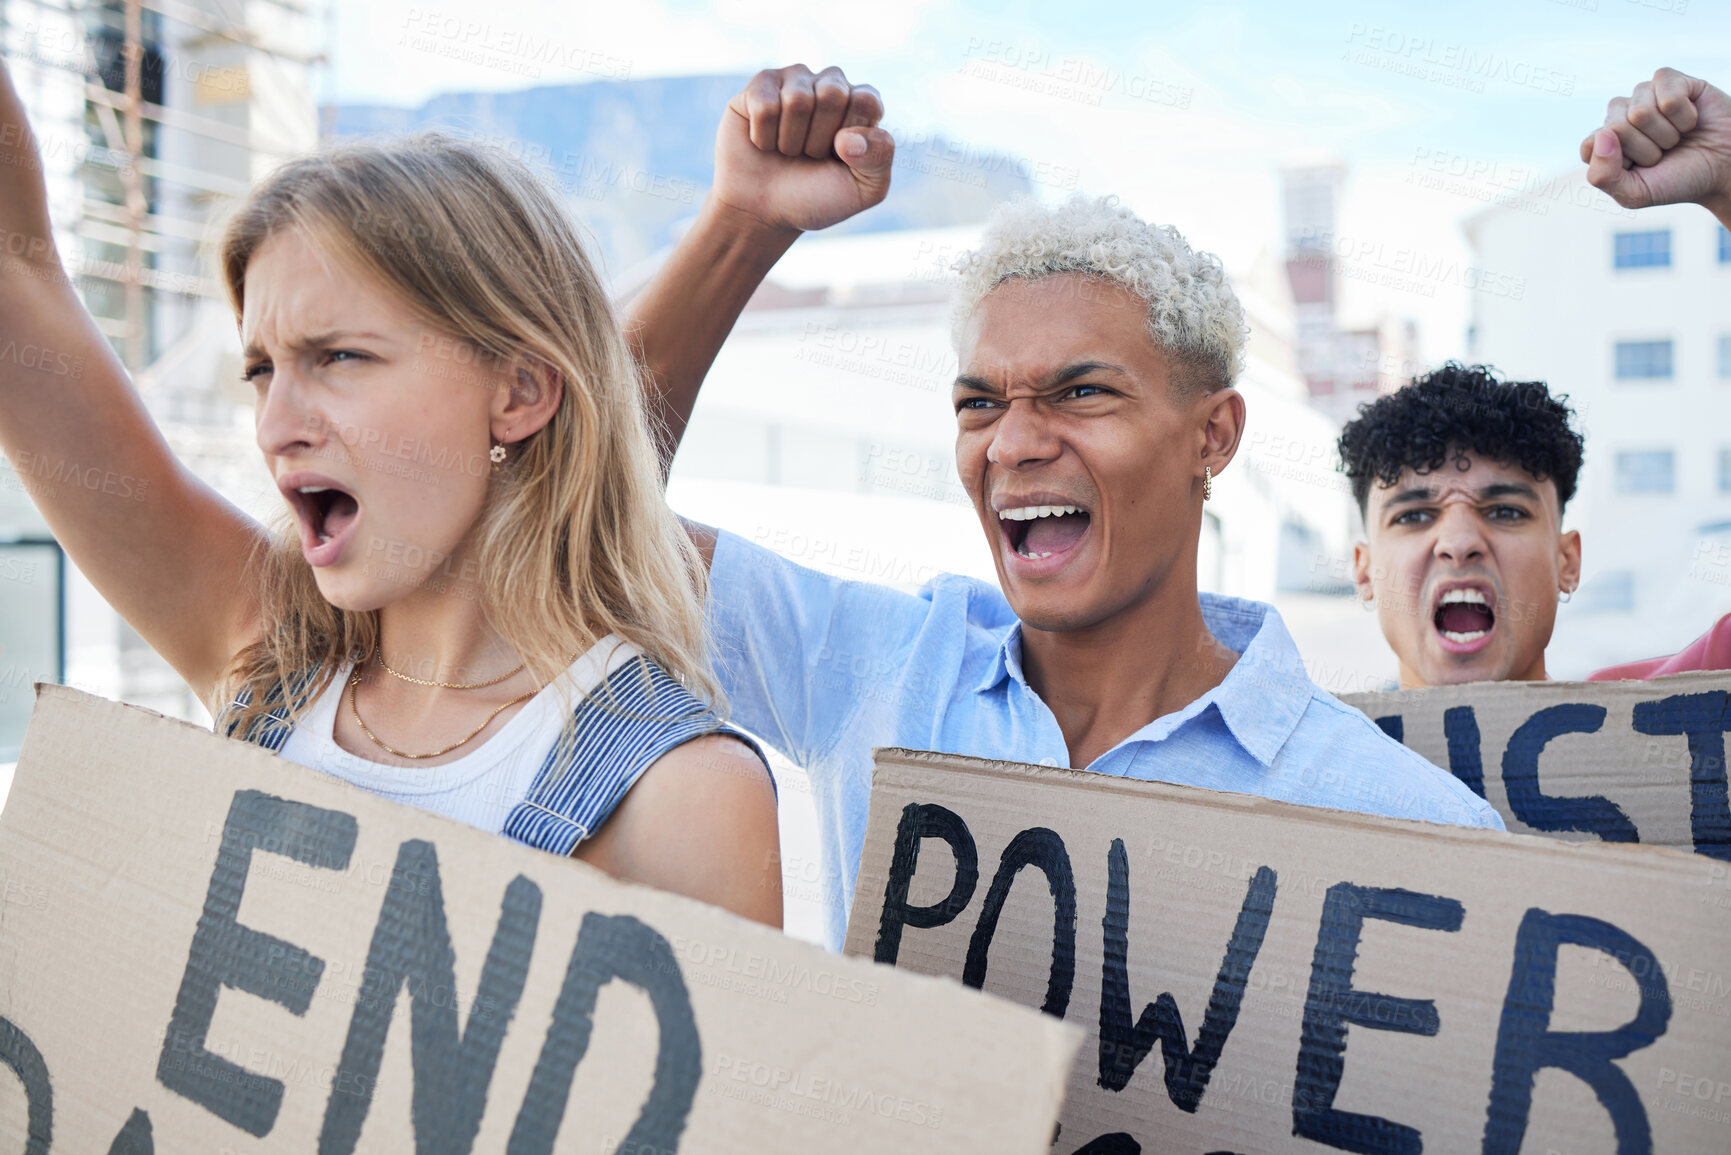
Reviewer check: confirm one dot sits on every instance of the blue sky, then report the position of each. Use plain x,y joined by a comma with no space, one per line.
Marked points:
1274,62
1188,111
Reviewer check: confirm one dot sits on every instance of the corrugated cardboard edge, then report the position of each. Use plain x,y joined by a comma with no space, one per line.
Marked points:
887,760
1506,694
1061,1041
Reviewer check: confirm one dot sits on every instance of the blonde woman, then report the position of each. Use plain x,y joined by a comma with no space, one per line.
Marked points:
479,603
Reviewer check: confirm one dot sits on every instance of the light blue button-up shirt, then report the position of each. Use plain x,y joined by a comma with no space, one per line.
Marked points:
825,669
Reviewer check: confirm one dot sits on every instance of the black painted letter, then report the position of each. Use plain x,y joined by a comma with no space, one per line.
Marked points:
1593,813
135,1136
1705,718
225,953
1123,1044
1332,1004
1043,848
1461,730
1526,1043
19,1053
920,822
412,945
615,947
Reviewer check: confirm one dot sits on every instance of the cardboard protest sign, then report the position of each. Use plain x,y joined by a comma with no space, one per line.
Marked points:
1256,976
206,948
1617,761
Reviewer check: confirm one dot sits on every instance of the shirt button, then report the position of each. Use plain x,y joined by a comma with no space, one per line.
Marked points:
1048,761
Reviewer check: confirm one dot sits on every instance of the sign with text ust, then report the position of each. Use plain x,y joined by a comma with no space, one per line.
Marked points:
1608,761
1261,977
206,948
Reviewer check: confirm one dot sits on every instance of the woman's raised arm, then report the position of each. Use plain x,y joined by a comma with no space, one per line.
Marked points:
163,548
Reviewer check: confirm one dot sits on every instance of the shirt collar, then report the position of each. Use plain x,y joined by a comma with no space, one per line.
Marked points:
1267,690
1262,698
1006,662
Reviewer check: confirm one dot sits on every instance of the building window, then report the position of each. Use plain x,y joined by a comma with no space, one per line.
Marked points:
1724,245
1643,360
1725,471
1646,471
1643,250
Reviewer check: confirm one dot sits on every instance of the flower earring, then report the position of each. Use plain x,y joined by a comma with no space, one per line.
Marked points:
1207,483
496,455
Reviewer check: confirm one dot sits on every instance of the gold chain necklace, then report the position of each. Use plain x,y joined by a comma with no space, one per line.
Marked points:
380,655
356,681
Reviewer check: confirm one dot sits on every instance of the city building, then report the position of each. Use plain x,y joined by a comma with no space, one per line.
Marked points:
1629,314
1344,361
150,121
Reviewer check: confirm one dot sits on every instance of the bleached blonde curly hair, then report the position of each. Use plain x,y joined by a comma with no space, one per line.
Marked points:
1193,314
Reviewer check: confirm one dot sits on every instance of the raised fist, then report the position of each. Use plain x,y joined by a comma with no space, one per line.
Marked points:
802,151
1669,143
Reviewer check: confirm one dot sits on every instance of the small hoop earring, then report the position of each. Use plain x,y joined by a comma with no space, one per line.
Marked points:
1368,604
496,455
1565,595
1207,483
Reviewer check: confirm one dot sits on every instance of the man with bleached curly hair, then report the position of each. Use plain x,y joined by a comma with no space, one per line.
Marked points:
1093,410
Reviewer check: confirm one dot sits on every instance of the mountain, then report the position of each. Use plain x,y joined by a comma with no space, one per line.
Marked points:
635,157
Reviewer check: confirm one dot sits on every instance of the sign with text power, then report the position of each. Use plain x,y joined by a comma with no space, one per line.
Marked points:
1256,976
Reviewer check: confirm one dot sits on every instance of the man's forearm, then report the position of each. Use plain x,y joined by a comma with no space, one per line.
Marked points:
678,322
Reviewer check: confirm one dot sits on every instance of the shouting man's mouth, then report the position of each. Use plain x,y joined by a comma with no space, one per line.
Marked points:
1465,617
1043,533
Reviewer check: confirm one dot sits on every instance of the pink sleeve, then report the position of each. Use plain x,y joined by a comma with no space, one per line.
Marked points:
1710,651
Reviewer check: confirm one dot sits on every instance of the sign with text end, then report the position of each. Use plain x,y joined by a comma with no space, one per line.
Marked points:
204,947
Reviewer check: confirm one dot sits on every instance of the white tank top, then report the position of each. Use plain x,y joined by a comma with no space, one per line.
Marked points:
482,786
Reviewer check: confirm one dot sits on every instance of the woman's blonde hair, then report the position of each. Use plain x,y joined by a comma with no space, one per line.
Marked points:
575,540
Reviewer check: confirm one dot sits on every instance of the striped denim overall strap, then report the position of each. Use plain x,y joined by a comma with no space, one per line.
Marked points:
637,714
272,728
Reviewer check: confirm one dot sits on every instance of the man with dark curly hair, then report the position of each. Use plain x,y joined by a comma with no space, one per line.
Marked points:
1462,479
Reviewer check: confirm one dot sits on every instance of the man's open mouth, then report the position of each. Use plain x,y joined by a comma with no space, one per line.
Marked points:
1040,531
1464,615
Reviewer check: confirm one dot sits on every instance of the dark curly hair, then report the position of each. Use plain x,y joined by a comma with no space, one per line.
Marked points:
1456,410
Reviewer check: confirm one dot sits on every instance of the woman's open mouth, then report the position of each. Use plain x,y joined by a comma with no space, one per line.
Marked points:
327,515
1043,534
